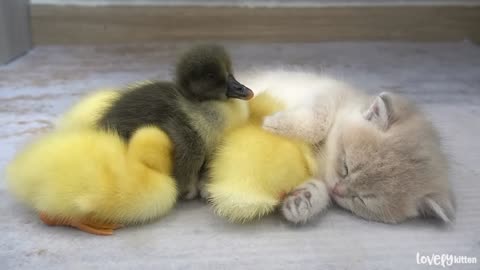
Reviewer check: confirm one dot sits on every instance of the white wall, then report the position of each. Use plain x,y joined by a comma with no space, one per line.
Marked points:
260,2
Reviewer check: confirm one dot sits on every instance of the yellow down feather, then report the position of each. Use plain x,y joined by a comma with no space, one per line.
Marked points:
94,175
253,168
87,111
78,172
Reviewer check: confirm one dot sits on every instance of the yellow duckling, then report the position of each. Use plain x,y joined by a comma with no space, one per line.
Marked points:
87,112
93,181
254,168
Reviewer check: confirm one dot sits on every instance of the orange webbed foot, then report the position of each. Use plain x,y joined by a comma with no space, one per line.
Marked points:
97,228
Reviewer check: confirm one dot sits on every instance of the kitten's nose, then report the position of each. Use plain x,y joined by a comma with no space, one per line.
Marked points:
339,190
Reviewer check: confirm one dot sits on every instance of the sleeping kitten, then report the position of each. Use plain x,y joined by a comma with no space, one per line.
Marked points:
379,157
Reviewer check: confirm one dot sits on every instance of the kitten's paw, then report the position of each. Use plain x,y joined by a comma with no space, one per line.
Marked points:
305,202
296,207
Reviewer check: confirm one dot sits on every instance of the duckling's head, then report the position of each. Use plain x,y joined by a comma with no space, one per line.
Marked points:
205,73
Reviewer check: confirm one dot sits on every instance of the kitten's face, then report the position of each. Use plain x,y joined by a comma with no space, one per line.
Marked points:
385,163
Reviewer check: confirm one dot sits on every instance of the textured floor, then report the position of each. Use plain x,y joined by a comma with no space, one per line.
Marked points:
444,78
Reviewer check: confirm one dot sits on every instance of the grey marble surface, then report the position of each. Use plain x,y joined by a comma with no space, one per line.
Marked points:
443,77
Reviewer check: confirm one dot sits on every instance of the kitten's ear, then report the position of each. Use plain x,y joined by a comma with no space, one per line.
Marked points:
379,113
441,207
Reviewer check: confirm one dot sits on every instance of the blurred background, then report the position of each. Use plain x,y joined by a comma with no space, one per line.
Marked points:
75,22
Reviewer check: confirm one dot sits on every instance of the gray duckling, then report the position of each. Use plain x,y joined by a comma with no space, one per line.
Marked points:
195,110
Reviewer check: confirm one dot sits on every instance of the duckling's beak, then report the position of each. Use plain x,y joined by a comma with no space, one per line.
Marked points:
237,90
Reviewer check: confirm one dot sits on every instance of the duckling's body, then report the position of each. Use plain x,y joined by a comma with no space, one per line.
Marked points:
254,168
193,111
94,181
195,128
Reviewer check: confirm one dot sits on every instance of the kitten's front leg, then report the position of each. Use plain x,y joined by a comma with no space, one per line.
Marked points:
306,201
309,123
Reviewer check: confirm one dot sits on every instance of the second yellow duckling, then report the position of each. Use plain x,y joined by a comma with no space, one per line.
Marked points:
93,181
254,169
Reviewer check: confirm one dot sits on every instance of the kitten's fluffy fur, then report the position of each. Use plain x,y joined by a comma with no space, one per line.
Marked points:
379,157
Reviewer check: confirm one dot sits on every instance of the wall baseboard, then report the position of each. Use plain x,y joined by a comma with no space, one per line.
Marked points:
260,3
15,37
127,24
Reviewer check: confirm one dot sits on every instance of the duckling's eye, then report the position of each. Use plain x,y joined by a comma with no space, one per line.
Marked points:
210,75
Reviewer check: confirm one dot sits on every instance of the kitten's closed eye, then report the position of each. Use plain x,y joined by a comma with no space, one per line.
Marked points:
364,197
359,199
343,168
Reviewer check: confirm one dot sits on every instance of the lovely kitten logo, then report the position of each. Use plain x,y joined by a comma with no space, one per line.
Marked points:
444,260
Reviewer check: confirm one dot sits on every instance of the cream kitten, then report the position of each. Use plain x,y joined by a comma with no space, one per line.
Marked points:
379,157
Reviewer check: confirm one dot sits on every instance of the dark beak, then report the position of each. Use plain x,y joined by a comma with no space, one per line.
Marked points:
237,90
